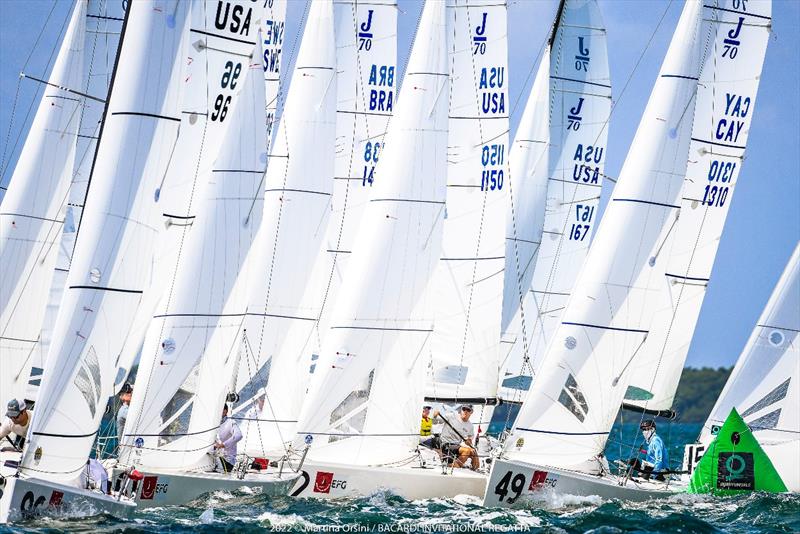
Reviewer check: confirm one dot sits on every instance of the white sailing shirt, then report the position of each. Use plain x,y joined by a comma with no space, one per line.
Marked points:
229,435
10,426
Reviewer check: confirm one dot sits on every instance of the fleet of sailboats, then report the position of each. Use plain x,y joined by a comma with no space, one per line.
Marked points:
375,248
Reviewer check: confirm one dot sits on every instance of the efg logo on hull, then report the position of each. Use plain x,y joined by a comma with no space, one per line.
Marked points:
324,482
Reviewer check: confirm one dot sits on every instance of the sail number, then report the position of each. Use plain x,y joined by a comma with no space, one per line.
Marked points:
719,173
492,158
371,153
512,482
583,216
229,81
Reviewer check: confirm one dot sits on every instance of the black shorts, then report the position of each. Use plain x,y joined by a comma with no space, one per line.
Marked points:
450,450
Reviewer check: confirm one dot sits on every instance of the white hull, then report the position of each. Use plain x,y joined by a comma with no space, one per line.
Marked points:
518,484
26,498
164,488
323,480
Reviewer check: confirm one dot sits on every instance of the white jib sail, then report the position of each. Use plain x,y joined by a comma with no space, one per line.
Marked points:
726,96
214,252
368,384
111,264
467,287
222,37
273,33
299,184
366,43
580,92
32,214
103,26
764,386
572,404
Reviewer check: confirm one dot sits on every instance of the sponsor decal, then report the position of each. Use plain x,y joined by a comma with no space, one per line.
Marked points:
56,497
148,488
37,455
322,484
736,471
139,442
537,480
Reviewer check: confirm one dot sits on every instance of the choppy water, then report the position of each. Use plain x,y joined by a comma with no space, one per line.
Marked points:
384,512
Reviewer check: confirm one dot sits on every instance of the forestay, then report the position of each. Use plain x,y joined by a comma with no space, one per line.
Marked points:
568,413
368,383
222,37
366,42
467,287
32,215
726,96
765,383
168,406
580,106
111,264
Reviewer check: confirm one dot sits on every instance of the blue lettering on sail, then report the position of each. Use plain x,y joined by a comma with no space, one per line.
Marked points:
492,102
586,167
582,57
365,32
381,82
492,159
732,42
574,118
273,42
479,39
728,129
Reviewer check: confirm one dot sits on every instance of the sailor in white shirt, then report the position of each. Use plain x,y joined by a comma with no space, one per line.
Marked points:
17,422
228,435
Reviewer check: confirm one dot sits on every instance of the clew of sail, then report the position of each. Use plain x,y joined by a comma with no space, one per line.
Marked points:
580,106
111,264
32,215
366,42
467,287
568,413
363,403
765,383
726,97
167,406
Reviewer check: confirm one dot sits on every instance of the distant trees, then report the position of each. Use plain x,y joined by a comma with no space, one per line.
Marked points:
698,391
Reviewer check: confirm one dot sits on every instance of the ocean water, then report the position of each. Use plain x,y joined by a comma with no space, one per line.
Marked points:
244,512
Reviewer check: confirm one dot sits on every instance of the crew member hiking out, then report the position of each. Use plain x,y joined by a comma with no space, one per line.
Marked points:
17,422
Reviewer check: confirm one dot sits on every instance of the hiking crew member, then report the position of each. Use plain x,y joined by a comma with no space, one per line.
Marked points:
17,421
456,438
228,435
656,459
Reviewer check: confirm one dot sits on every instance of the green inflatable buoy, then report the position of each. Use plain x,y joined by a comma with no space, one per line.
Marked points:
735,463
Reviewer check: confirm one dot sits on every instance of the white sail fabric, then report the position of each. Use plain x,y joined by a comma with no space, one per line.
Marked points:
726,98
571,406
366,43
222,37
214,252
467,287
32,214
764,386
580,91
103,26
368,384
111,264
273,32
528,167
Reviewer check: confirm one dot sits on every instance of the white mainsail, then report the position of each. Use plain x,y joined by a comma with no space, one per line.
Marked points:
273,32
222,37
568,413
363,403
32,214
580,105
764,386
467,287
166,397
726,96
366,42
110,267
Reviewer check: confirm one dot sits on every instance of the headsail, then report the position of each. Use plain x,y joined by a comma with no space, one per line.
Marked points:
726,96
106,281
32,214
368,385
765,383
568,413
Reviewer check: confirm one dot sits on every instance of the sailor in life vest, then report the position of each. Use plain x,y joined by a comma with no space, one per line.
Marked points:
228,435
426,424
17,421
656,460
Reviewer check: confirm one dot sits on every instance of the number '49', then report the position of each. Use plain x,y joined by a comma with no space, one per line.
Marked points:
517,483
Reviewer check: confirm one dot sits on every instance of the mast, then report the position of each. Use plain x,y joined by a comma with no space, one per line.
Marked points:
568,413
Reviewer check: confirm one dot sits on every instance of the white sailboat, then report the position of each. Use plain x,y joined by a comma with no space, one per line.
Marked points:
569,171
726,98
560,434
366,42
32,215
361,415
765,383
109,267
467,286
